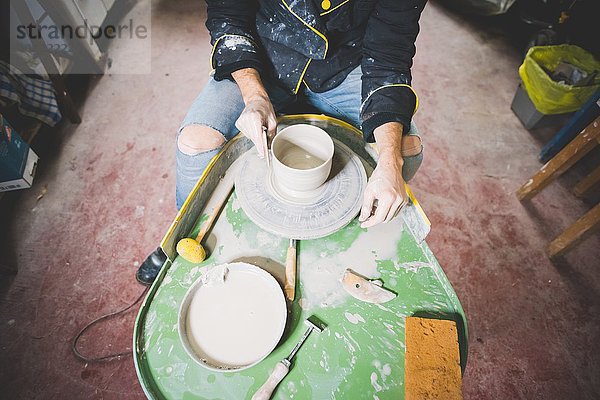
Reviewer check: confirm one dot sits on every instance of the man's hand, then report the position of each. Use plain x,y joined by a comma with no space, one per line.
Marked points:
385,194
258,113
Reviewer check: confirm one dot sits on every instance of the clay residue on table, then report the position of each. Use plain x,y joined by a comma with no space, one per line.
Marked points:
321,282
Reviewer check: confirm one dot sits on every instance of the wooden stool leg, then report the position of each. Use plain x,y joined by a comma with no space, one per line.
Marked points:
573,152
587,183
575,233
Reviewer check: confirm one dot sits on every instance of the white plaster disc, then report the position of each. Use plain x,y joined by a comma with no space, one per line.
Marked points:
232,317
328,209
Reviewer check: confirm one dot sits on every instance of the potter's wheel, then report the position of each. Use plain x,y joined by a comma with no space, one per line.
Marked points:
307,216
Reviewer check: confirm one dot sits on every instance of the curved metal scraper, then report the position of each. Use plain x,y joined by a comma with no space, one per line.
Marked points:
363,289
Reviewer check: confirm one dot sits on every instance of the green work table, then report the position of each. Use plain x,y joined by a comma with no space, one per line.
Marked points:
361,353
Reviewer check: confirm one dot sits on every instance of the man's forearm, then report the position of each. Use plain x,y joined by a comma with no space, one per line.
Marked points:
250,84
389,141
385,194
258,115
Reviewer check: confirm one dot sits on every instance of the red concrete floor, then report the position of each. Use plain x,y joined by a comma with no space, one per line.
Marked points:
534,325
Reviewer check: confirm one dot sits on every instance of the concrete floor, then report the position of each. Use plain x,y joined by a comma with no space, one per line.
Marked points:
534,325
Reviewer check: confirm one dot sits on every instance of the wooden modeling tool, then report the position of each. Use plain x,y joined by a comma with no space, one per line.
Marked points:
191,249
283,367
290,271
363,289
265,139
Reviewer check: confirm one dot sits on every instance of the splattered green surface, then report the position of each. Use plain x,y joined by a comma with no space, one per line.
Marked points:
361,353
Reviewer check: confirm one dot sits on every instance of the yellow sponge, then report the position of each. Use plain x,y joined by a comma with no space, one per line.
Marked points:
191,250
432,360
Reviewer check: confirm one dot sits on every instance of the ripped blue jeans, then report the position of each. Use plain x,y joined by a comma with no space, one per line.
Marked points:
220,104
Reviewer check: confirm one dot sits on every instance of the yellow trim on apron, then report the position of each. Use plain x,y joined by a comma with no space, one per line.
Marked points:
395,85
334,8
302,77
322,36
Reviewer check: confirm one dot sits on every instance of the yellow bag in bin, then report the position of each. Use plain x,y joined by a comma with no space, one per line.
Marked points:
548,96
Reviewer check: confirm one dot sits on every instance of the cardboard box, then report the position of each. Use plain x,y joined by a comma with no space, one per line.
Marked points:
17,161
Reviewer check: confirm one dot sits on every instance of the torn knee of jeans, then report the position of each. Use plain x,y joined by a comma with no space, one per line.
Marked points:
196,139
411,145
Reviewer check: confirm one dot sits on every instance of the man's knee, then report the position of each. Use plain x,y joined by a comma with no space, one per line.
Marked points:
411,145
412,153
195,139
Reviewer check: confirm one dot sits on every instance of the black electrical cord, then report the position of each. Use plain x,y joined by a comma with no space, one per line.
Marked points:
109,357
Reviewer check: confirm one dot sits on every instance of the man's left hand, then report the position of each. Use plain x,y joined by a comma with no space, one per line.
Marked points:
385,194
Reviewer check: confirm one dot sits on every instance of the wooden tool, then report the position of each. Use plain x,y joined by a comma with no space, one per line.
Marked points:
290,271
363,289
265,140
191,249
283,367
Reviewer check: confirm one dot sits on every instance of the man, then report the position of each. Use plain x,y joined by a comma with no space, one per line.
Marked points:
349,59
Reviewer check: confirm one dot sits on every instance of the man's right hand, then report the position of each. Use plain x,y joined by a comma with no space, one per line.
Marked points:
258,113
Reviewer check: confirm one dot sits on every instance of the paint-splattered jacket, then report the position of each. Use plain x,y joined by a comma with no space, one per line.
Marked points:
318,43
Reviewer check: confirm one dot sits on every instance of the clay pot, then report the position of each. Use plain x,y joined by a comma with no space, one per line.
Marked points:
302,157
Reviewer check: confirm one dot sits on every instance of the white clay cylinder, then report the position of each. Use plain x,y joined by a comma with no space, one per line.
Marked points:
302,157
